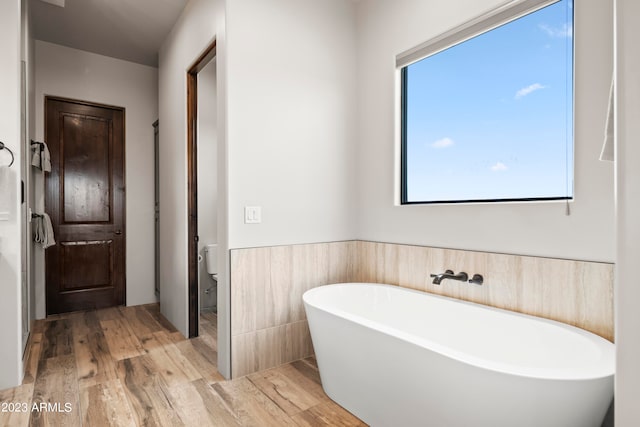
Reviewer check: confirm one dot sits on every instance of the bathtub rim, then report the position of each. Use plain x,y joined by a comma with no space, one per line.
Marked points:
606,366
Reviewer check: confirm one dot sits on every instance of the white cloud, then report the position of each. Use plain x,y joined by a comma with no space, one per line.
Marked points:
499,167
527,90
443,143
565,30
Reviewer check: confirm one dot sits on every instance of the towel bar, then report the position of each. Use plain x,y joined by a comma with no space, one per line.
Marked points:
4,147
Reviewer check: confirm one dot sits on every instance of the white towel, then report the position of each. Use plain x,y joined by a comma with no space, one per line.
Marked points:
43,231
607,148
38,229
48,232
35,157
8,190
45,158
41,157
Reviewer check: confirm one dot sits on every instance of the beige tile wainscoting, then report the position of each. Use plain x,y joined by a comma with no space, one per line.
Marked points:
268,322
269,326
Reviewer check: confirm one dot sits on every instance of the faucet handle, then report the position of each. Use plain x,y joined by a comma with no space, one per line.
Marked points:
477,279
438,275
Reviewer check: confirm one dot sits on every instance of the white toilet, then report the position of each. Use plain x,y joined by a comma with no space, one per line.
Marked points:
211,255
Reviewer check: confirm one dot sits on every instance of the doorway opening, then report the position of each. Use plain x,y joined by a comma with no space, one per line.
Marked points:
202,205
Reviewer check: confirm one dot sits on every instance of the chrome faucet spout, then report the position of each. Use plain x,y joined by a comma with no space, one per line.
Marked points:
438,278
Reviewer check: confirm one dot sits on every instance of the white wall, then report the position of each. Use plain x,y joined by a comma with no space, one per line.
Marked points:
207,175
76,74
288,89
201,22
387,28
10,241
627,291
292,112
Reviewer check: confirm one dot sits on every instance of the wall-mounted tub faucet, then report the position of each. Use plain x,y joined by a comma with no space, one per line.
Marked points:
437,278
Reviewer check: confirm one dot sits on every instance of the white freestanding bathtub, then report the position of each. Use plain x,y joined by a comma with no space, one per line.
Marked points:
397,357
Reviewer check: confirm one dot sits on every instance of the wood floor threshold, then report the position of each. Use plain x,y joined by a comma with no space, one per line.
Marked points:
128,366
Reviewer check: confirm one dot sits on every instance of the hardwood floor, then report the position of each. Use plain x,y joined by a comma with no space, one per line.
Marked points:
128,366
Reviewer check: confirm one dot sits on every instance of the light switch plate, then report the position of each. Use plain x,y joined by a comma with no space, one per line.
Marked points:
4,216
252,214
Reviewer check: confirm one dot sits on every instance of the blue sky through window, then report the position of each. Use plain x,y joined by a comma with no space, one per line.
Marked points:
492,117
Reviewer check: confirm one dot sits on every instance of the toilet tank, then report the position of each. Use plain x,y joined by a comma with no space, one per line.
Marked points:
211,256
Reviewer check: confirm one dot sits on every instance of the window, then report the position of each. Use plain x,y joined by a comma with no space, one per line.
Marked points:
488,115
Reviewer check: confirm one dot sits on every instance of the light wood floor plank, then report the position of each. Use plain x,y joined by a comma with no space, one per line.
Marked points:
208,349
38,326
106,404
329,415
141,321
151,405
123,343
250,406
311,360
16,416
85,322
210,342
57,339
209,323
154,311
127,366
155,340
308,370
112,313
146,392
199,405
94,361
288,388
33,356
56,385
136,370
173,365
200,360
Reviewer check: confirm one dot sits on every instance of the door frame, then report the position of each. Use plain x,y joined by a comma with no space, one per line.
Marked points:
48,98
192,185
28,297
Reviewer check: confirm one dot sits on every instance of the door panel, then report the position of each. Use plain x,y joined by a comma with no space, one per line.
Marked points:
78,269
85,196
86,173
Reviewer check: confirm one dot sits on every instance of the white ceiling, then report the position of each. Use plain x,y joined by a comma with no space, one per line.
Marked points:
132,30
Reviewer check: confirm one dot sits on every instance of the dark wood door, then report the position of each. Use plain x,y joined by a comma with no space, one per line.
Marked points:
85,198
